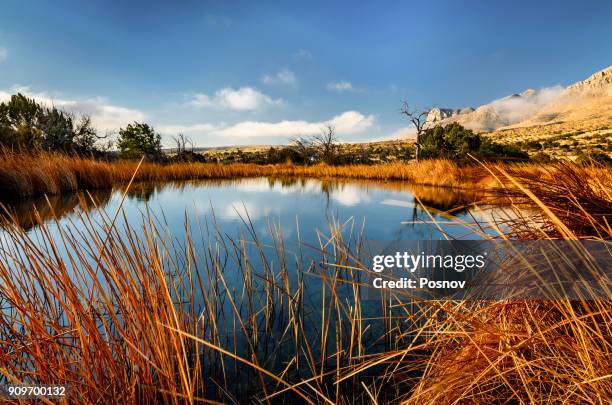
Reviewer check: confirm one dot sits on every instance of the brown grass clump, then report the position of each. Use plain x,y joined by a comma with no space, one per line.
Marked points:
44,181
521,352
529,351
92,174
14,182
571,199
433,172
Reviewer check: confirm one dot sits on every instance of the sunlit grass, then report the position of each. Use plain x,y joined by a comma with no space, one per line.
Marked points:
24,175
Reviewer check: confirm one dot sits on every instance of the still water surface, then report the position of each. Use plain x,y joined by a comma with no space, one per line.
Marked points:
385,210
300,207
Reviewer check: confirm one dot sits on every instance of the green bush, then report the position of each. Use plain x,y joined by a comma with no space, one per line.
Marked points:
139,139
453,141
25,123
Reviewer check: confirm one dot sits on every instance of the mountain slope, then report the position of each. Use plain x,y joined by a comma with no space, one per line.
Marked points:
586,105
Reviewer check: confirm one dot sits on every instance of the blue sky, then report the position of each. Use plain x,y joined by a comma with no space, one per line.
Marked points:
260,72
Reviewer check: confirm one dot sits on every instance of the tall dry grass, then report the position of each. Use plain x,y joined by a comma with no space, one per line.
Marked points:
123,311
555,351
127,313
570,200
23,175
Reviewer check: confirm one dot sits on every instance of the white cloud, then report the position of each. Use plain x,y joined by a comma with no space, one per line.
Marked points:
349,195
105,116
283,76
302,54
201,100
243,99
342,86
518,107
352,122
347,123
399,134
3,54
186,129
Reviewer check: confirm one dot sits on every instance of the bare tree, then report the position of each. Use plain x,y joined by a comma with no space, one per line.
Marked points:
418,118
316,147
326,142
302,146
190,143
85,135
181,141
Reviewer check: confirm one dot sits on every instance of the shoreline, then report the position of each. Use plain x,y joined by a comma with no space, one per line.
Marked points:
26,175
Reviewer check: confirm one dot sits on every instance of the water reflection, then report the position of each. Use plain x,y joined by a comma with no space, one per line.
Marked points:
383,205
30,212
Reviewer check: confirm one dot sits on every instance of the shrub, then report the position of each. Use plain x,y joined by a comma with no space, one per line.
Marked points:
541,157
25,123
139,139
534,145
453,141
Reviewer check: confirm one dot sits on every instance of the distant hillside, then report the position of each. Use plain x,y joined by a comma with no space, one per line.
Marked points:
586,105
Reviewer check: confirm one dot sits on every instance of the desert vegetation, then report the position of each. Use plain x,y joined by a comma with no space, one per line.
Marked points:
27,125
129,313
561,141
47,151
47,173
453,141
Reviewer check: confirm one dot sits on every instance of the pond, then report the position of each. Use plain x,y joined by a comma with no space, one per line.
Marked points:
384,210
256,208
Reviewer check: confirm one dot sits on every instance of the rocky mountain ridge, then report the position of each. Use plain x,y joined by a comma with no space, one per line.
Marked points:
587,103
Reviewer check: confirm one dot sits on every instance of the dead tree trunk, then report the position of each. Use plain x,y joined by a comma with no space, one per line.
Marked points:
418,118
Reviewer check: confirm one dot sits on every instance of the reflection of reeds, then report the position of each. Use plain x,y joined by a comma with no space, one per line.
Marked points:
445,200
129,313
33,211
